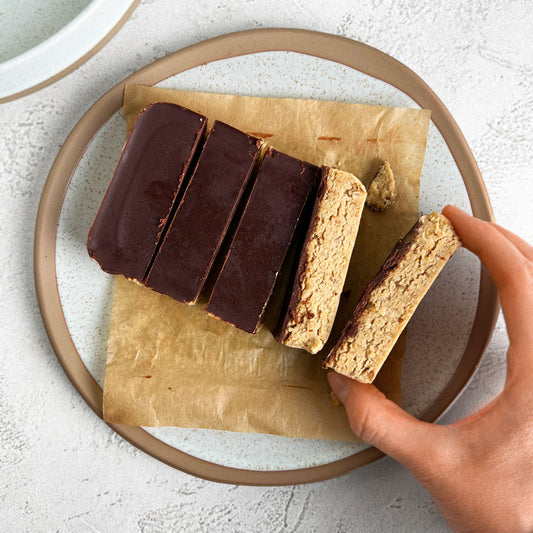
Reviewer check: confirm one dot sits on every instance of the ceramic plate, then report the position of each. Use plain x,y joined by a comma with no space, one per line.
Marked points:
446,337
43,40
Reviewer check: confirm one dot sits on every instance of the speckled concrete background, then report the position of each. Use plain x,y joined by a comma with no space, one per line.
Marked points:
61,468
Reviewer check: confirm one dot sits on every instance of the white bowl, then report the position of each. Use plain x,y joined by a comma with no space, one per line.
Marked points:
56,55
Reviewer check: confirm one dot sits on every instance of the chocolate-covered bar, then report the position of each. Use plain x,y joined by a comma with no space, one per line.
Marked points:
261,240
204,213
139,199
324,261
391,298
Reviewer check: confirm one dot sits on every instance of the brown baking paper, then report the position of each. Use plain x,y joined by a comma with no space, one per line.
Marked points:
170,364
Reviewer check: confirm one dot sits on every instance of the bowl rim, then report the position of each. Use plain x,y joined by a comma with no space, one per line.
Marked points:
49,47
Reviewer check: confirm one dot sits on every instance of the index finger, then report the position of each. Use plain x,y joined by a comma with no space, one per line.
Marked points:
510,269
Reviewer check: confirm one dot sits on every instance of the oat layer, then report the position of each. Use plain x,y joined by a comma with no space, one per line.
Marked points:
324,261
390,300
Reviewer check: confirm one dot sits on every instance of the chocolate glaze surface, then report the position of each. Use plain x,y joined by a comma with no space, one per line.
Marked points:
139,199
204,213
262,239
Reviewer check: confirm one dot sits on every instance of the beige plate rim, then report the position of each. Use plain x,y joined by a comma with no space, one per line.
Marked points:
334,48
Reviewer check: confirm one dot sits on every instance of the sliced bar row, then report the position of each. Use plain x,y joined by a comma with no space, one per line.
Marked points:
175,193
171,201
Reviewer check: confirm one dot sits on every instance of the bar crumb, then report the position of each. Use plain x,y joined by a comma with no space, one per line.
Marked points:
382,192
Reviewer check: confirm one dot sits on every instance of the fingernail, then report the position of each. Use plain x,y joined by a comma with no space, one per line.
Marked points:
450,207
339,384
454,209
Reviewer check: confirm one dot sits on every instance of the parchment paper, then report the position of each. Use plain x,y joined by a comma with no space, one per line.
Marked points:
170,364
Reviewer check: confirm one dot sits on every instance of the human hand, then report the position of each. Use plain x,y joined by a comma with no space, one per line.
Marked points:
479,470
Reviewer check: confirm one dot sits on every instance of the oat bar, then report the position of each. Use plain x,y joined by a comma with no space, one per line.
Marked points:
324,261
265,231
143,190
204,213
390,299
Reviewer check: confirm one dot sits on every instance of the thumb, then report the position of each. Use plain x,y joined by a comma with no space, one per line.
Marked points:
383,424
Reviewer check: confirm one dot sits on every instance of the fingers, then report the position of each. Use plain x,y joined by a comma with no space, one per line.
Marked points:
380,422
520,243
505,258
500,256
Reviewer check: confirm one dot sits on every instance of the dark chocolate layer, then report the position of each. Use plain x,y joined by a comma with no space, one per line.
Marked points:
262,239
204,213
397,254
139,199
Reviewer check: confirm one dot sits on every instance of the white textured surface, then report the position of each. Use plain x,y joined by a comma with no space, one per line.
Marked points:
61,468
